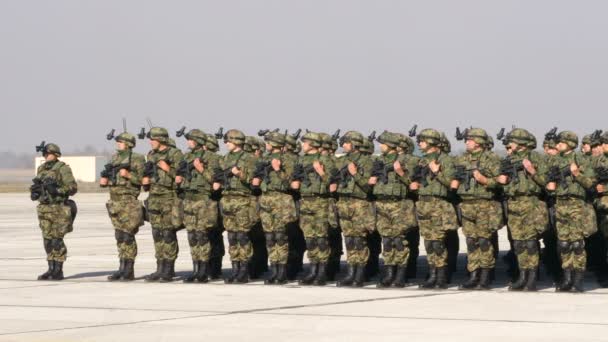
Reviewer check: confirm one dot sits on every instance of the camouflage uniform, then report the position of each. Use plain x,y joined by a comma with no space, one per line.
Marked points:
124,209
434,211
276,206
164,207
481,214
238,206
53,185
355,211
601,202
314,209
575,219
216,238
395,213
200,210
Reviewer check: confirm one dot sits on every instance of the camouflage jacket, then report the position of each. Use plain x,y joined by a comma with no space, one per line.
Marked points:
355,185
572,186
315,184
526,184
199,183
276,180
394,185
246,163
124,186
487,163
60,173
437,184
163,183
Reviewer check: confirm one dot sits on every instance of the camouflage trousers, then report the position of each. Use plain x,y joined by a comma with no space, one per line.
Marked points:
126,214
480,219
435,216
200,216
314,213
357,220
55,221
575,221
528,219
126,245
166,217
393,219
239,215
527,253
277,210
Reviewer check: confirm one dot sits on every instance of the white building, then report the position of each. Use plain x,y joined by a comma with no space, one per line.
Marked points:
85,168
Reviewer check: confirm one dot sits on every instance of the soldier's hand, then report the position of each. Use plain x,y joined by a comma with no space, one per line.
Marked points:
103,181
372,180
529,167
179,179
318,168
145,181
502,179
414,186
479,177
352,169
398,169
216,186
295,185
575,170
551,186
600,188
198,165
454,184
333,187
124,173
434,166
235,171
276,164
163,165
256,182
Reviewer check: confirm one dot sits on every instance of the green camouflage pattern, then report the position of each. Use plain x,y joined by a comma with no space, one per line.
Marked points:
357,219
480,219
164,182
246,163
355,186
314,212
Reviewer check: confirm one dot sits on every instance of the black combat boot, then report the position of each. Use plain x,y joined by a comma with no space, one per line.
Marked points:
128,273
57,271
155,276
389,276
118,274
566,283
531,283
521,282
321,278
442,278
359,276
273,275
281,278
46,275
235,272
169,273
310,277
401,277
203,272
431,280
472,282
195,269
243,275
484,279
578,284
350,276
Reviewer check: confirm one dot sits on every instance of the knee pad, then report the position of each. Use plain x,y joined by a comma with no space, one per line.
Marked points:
532,246
519,246
428,246
387,244
349,241
564,246
118,235
156,235
438,247
311,244
243,238
202,237
578,247
270,239
360,243
471,244
232,238
399,243
48,245
169,236
128,238
281,238
484,244
192,238
323,244
57,244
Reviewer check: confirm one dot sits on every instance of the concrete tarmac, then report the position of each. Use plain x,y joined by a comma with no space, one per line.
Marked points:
86,307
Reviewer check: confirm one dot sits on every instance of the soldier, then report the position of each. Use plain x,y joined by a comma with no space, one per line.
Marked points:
568,178
123,175
373,240
601,203
216,238
355,211
238,205
277,208
431,179
586,145
550,255
452,241
395,214
311,180
163,205
522,175
52,188
481,217
195,180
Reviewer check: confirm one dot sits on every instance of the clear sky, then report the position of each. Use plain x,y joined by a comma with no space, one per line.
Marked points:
70,70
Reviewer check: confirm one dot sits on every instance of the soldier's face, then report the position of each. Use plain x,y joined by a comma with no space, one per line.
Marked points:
347,147
191,143
306,146
269,147
471,145
423,145
562,147
586,148
121,146
605,148
50,157
384,148
551,151
230,146
597,150
155,144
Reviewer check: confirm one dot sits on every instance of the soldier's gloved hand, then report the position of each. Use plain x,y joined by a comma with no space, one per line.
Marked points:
52,189
35,195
